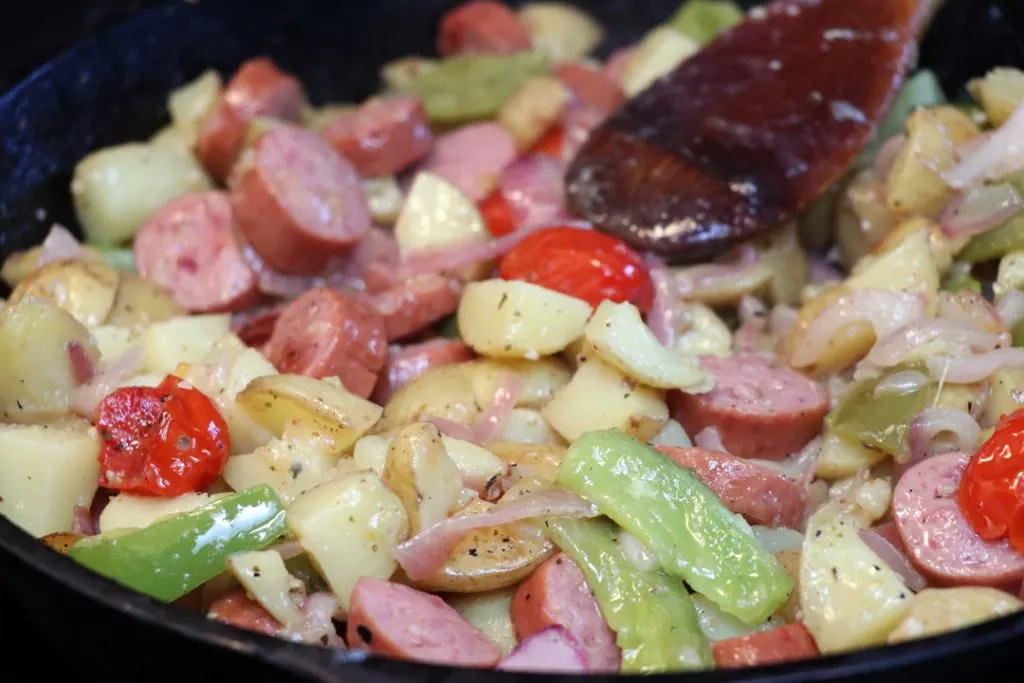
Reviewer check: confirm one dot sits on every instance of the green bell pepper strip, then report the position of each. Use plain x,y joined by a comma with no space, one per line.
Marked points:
177,554
652,615
704,20
880,420
694,536
117,258
995,243
922,89
961,282
473,87
1018,334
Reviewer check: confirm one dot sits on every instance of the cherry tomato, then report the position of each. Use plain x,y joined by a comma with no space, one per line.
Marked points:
497,214
992,488
586,264
161,441
552,144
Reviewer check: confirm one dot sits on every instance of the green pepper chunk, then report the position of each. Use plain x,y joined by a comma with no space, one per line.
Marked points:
473,87
175,555
652,615
685,525
995,243
1018,334
448,327
880,419
922,89
961,282
704,20
302,569
117,258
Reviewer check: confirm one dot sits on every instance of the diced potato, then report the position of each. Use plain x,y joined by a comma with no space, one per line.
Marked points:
541,379
661,51
112,341
385,198
790,561
726,291
44,473
85,289
476,464
490,612
672,434
620,338
399,74
850,598
525,425
787,261
36,375
842,458
190,104
538,461
534,109
349,527
116,189
444,392
999,93
182,340
437,214
560,30
130,511
281,400
419,471
141,302
601,397
704,333
943,247
172,139
1007,394
513,319
266,580
317,118
940,610
20,264
1011,274
290,466
370,452
862,217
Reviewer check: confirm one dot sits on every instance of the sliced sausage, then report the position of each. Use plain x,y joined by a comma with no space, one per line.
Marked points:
784,644
239,610
556,594
616,65
397,621
188,247
258,88
384,136
298,202
407,363
761,410
593,87
325,333
417,303
255,327
472,157
553,650
482,26
756,492
936,536
370,266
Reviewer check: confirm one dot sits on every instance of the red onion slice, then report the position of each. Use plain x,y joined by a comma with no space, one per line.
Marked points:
493,419
82,368
998,156
451,428
427,551
85,400
895,558
60,245
317,625
709,438
941,420
578,122
956,336
552,650
886,155
980,209
663,317
970,369
1011,308
533,188
84,523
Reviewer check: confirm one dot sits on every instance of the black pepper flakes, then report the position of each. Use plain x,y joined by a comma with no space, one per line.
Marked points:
472,552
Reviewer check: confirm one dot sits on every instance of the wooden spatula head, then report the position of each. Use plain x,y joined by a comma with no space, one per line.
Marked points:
749,131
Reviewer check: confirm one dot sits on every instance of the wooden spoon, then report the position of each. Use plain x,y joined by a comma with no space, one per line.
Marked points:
748,132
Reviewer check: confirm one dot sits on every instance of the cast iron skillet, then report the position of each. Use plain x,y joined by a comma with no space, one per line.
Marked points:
111,88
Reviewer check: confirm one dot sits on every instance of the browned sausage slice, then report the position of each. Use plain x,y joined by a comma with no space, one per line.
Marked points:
298,202
384,136
784,644
188,247
417,303
760,409
408,363
325,333
397,621
239,610
756,492
258,88
482,26
556,594
937,537
254,327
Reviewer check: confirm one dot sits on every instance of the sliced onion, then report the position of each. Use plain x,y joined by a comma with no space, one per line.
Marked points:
1011,308
778,539
999,155
956,336
821,271
885,310
451,428
781,320
85,400
552,650
887,153
713,281
275,283
493,419
980,209
895,558
971,369
637,552
317,626
709,438
82,368
941,420
751,308
60,245
799,466
903,382
663,317
534,190
427,551
84,523
578,122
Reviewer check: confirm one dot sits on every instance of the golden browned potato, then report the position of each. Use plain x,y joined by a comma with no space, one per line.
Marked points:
444,392
140,302
863,217
939,610
85,289
419,471
530,459
790,561
541,379
999,93
61,541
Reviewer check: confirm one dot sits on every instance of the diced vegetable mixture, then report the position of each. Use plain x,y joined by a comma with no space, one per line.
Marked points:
353,375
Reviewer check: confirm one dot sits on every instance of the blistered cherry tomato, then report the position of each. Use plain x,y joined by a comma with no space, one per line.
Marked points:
497,214
161,441
552,144
992,488
583,263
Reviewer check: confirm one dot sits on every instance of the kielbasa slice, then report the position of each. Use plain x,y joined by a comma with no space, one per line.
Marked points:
593,87
239,610
255,327
482,26
325,333
761,410
188,247
937,537
756,492
472,157
397,621
556,594
408,363
258,88
297,201
784,644
384,136
417,303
